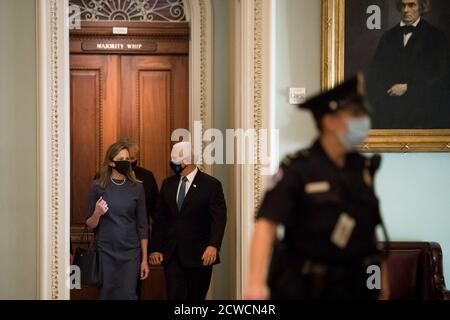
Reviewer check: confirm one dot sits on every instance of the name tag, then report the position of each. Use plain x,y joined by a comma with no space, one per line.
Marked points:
343,231
317,187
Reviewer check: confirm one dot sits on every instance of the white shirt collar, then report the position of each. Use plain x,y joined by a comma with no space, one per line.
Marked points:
402,24
192,175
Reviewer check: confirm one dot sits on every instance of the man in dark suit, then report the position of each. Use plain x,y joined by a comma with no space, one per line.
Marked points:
407,77
144,175
189,225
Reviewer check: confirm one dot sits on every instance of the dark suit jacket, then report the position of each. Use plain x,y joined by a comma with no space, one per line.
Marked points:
200,223
150,188
423,65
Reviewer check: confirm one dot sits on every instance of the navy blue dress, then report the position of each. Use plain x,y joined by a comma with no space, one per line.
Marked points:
118,236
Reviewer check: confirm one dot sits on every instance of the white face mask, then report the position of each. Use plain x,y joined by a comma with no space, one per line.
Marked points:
357,132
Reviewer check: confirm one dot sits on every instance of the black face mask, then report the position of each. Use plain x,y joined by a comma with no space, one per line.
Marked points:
134,164
176,168
122,167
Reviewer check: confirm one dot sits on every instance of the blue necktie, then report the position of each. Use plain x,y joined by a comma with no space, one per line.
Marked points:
182,193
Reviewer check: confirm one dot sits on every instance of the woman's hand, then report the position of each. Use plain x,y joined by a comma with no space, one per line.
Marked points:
145,270
101,207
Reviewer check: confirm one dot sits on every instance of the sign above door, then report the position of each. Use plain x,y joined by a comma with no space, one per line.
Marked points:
129,46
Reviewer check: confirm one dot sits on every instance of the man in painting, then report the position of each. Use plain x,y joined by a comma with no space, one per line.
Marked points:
407,78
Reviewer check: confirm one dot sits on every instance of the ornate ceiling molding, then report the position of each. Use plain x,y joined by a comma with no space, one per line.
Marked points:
131,10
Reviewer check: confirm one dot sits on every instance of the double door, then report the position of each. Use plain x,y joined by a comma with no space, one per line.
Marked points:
114,96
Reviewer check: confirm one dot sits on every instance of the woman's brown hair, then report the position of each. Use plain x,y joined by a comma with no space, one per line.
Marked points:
104,176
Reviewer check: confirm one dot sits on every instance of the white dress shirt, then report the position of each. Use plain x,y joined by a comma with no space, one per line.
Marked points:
408,36
190,178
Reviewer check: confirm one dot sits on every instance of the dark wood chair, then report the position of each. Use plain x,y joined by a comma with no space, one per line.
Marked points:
416,271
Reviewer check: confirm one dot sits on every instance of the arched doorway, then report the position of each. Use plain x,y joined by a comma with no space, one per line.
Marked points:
54,135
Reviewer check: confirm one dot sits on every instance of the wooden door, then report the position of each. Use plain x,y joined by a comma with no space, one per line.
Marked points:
113,96
154,103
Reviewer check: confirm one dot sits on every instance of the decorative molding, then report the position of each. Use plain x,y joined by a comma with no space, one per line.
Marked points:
131,10
252,57
90,36
257,106
201,66
54,132
333,33
55,150
134,28
406,141
151,35
203,59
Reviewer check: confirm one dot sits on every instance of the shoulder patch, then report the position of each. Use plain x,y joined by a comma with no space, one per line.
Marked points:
287,161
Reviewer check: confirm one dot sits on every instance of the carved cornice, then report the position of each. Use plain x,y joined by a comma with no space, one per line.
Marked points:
139,29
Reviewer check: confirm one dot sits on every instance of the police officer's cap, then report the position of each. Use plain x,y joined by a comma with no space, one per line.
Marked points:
349,94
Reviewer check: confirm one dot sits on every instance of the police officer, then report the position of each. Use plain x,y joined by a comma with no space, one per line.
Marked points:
324,198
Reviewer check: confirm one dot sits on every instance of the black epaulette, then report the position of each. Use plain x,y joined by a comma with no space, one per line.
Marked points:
375,163
290,158
371,166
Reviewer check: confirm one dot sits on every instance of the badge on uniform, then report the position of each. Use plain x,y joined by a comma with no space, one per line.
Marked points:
317,187
343,231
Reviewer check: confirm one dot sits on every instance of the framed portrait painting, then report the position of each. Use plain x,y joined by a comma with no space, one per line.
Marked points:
403,49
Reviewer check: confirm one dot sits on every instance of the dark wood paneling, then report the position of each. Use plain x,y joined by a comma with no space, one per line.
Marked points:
155,90
85,139
112,96
154,103
94,121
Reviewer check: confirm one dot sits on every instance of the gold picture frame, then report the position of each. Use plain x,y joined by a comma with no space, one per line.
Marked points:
332,72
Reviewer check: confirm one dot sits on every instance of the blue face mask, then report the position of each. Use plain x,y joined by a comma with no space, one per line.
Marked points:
357,132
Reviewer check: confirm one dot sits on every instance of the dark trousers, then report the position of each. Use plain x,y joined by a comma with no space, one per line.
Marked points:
186,283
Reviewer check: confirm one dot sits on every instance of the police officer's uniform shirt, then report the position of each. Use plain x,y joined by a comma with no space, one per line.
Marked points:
310,196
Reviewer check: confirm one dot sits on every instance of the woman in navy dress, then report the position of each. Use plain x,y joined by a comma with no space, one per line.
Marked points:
117,214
